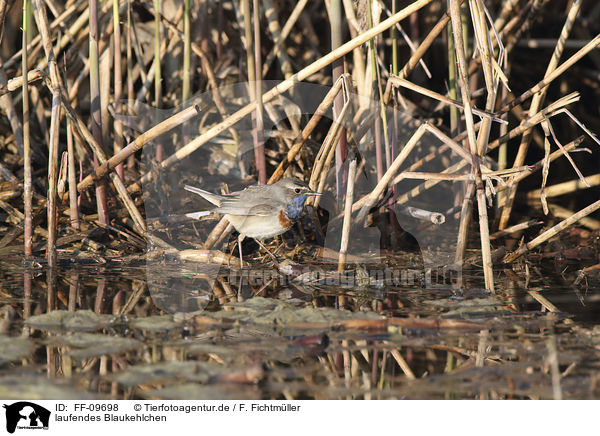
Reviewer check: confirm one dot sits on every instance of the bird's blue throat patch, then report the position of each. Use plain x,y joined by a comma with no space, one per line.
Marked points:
294,209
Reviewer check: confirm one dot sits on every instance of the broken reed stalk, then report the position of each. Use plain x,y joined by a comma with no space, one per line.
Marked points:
95,108
118,86
259,143
283,87
27,187
42,24
17,82
535,105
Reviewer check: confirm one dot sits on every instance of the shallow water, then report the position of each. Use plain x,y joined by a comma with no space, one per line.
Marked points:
169,330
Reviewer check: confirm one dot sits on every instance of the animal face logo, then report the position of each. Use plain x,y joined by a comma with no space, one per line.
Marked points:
26,415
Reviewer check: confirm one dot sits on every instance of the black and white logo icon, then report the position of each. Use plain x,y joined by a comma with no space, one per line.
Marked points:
26,415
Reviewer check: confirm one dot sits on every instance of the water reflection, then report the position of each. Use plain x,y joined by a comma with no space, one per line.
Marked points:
99,332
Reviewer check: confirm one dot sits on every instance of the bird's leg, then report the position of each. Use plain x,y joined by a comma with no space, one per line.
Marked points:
240,239
268,252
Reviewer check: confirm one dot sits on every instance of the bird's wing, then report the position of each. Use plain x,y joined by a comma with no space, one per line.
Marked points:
236,207
209,196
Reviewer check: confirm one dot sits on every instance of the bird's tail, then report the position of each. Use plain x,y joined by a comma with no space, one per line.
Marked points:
208,196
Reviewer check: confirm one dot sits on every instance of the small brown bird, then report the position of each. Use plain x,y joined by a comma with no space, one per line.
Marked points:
261,211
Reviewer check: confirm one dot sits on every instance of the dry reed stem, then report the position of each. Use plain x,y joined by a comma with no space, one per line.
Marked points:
398,81
42,24
403,364
308,129
283,87
282,36
139,142
536,103
118,85
187,53
566,187
95,107
358,73
538,165
73,206
545,303
8,107
416,56
369,200
563,212
347,217
476,150
336,26
485,51
82,130
17,82
465,221
553,231
275,31
259,144
27,180
514,229
338,131
555,74
419,175
208,70
322,159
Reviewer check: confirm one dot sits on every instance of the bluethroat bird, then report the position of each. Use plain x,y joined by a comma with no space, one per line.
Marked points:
261,211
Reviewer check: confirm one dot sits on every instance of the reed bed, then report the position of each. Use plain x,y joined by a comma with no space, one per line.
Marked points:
499,98
482,42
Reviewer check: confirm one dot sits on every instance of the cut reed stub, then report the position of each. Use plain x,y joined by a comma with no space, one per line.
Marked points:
425,215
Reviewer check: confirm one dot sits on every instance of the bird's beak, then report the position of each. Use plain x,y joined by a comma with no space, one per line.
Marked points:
315,193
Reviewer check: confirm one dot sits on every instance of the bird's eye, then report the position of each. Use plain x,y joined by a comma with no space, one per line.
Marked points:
297,190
